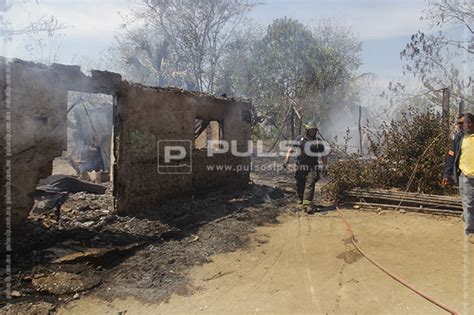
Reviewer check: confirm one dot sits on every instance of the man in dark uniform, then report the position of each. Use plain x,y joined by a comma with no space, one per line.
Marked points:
307,164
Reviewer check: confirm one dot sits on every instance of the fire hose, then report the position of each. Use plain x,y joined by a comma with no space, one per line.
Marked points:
390,274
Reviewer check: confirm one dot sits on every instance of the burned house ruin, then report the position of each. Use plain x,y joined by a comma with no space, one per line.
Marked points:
33,120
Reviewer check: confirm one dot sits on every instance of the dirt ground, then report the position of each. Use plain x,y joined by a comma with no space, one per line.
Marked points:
305,264
238,252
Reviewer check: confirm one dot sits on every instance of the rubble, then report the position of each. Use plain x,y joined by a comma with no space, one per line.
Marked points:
146,256
60,283
141,235
142,116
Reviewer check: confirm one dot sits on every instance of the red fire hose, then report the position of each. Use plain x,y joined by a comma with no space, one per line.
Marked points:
393,276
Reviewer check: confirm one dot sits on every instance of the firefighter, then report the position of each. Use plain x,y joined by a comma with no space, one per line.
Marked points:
307,165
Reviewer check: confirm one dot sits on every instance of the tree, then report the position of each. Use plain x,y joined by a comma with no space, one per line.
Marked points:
189,36
441,59
291,65
340,41
43,40
41,36
234,71
145,56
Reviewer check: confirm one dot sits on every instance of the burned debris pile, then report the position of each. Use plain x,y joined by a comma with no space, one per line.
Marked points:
123,225
119,140
405,155
92,250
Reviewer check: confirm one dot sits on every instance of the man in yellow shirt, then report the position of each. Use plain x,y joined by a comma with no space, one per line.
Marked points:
460,163
466,160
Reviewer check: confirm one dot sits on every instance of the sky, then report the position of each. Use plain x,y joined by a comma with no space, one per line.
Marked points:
383,26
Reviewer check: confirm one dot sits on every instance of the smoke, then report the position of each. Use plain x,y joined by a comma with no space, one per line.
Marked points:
342,127
90,130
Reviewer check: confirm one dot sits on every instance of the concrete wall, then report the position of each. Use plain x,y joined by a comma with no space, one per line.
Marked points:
145,116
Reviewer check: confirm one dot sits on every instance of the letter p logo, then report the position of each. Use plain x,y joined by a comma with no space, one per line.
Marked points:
174,156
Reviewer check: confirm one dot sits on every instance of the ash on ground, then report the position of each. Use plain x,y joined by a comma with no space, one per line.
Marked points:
92,250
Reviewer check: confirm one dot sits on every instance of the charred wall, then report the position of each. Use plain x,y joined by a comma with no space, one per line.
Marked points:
142,116
148,115
38,134
37,95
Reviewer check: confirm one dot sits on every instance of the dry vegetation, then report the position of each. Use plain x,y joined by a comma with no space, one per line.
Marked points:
408,154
